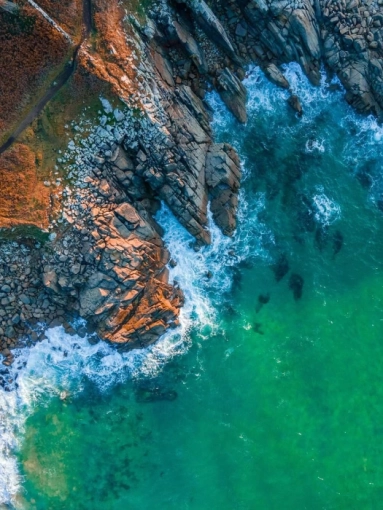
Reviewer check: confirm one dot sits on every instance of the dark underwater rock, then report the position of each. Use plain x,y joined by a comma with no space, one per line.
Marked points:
306,215
146,395
296,285
281,267
257,328
365,178
246,264
337,241
321,237
263,299
272,188
229,310
379,204
237,278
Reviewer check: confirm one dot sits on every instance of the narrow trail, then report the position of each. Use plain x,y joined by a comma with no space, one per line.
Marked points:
61,79
51,21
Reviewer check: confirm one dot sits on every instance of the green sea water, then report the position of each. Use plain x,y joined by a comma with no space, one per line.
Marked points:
271,396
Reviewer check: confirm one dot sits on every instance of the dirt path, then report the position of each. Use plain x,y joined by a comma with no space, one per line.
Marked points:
50,20
61,79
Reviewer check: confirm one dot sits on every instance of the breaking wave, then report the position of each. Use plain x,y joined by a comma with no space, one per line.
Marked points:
61,364
327,211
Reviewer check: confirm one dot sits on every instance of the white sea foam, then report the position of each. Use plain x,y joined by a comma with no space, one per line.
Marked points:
62,363
315,146
204,273
327,211
265,97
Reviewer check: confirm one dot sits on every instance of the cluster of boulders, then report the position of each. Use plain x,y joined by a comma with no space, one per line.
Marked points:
118,281
352,47
105,260
109,264
24,301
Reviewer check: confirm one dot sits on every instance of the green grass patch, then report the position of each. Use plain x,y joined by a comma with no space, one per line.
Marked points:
24,233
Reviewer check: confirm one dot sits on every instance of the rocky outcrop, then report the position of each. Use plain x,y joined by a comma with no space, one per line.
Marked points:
213,28
233,93
351,38
24,301
285,31
108,263
275,76
118,279
223,178
127,296
345,36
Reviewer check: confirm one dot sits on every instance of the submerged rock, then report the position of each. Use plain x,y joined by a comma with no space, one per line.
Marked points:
263,299
296,285
281,267
337,242
149,395
321,237
365,178
257,328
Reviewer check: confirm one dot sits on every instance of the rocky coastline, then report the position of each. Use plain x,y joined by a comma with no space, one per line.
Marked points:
105,260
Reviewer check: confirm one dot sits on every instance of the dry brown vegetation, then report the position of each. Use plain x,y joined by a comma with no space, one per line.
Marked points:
32,161
67,13
108,55
32,53
24,199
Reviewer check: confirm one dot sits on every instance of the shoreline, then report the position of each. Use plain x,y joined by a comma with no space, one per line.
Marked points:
109,262
107,256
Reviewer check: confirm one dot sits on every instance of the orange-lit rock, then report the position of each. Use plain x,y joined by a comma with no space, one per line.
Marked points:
24,198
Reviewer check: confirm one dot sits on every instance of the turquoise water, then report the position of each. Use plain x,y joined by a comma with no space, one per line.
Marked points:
271,395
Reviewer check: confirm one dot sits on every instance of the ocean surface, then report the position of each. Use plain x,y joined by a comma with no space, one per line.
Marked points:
270,395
